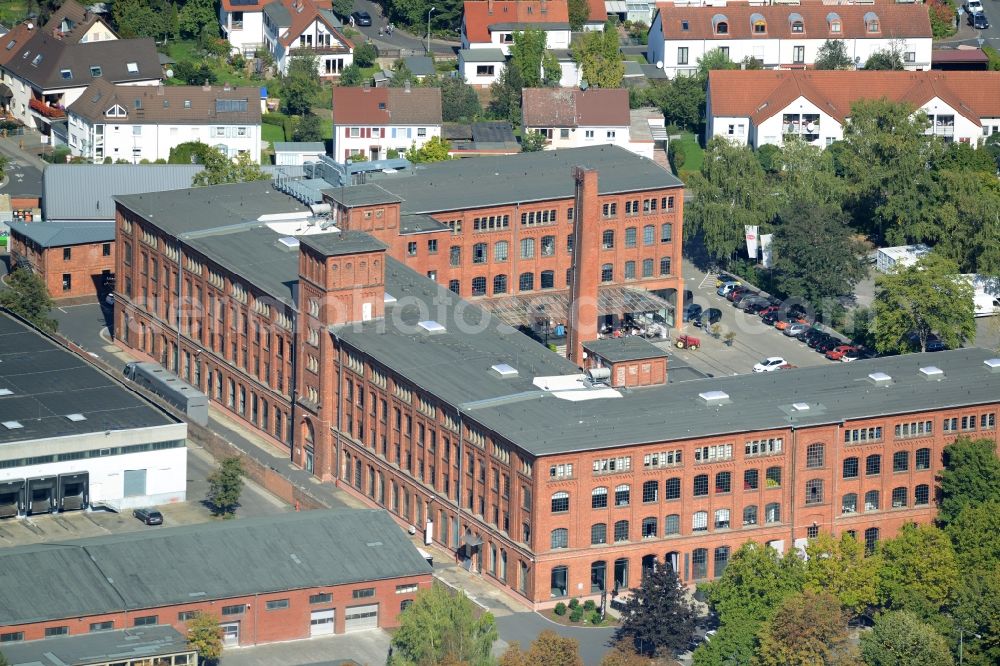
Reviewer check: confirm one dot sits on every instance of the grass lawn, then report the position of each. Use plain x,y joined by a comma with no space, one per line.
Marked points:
12,11
272,133
694,154
187,50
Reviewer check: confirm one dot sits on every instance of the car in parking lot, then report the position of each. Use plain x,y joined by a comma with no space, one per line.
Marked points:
692,311
726,287
755,307
752,300
770,364
795,328
828,344
974,7
363,19
819,339
708,317
763,312
149,516
771,317
838,352
737,293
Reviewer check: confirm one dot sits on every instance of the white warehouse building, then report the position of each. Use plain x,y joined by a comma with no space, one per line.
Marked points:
71,437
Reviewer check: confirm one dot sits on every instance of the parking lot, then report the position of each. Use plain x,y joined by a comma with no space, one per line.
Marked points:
255,501
754,340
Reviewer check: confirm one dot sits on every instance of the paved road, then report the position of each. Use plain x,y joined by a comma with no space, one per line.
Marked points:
416,44
525,627
967,36
362,647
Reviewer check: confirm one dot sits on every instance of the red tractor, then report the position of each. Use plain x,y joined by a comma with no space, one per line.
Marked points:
688,342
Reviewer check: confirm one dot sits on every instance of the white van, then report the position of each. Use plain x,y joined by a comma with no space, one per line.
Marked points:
985,304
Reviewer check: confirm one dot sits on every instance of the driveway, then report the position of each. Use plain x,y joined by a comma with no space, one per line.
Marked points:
362,647
525,627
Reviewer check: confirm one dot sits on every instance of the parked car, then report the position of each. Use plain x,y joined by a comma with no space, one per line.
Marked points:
771,317
820,339
770,364
736,293
692,312
149,516
838,352
723,278
755,307
748,301
363,19
934,343
851,356
795,329
974,7
708,317
979,21
828,344
782,324
727,287
763,312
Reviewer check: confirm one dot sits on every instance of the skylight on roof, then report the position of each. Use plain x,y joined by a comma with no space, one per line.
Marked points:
37,59
431,326
132,67
12,425
76,418
95,71
66,73
6,391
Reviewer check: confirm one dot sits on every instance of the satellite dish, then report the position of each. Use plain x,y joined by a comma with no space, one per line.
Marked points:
659,64
169,73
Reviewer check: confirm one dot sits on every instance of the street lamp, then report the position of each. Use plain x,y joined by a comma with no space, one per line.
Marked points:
429,29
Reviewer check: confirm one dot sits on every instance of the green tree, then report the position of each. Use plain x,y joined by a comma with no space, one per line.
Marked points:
309,128
549,649
365,54
439,624
343,9
401,75
351,76
683,102
919,571
805,174
968,230
817,255
131,18
526,55
225,485
899,638
658,618
833,55
731,191
622,654
600,60
220,169
921,299
977,615
459,101
883,160
505,96
189,152
434,150
713,59
532,142
807,628
551,70
579,12
755,582
734,644
27,297
300,86
195,15
886,59
970,478
205,637
194,74
841,568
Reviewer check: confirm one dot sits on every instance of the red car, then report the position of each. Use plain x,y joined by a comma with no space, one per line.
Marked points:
839,352
768,310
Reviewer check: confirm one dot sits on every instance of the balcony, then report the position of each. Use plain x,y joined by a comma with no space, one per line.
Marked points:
321,49
47,112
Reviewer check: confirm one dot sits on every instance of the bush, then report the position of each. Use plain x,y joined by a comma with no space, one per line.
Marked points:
576,614
365,55
589,605
560,609
675,153
595,618
573,603
275,119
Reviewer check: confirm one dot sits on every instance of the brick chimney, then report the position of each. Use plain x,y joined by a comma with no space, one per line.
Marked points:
583,310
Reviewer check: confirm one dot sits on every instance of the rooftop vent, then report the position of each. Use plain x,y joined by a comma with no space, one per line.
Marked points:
714,397
373,544
12,425
800,406
993,364
388,298
880,379
76,417
504,370
289,241
4,391
932,372
431,326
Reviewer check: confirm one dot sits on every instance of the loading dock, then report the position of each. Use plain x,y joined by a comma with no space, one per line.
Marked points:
41,495
74,491
11,498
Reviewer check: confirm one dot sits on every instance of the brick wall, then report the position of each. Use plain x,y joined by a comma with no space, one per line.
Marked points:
69,272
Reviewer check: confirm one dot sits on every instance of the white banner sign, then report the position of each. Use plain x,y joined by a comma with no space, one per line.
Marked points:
766,256
751,232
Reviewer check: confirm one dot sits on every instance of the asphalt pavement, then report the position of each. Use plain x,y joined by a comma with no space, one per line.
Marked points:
969,36
409,43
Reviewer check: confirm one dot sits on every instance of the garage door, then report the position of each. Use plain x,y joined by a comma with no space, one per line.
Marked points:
322,622
135,482
230,634
361,617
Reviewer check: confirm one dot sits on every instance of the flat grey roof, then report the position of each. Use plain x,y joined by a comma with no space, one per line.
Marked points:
367,194
86,191
482,55
420,65
199,208
257,256
198,563
342,242
419,224
631,348
99,647
523,178
299,147
59,234
455,366
47,383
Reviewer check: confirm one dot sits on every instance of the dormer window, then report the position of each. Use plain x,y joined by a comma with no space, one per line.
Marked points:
796,23
37,59
95,71
684,26
834,22
721,24
871,22
758,24
187,104
116,111
66,74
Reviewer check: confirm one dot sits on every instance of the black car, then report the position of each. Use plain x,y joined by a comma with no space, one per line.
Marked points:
362,18
771,317
979,21
692,312
829,343
709,317
818,340
756,307
811,334
149,516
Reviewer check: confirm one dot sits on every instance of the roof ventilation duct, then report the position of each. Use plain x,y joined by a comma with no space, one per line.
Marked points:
880,379
932,373
714,398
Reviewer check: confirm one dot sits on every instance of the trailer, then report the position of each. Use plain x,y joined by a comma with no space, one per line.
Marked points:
155,378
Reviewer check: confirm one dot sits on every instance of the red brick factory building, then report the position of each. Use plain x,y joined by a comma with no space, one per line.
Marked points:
330,335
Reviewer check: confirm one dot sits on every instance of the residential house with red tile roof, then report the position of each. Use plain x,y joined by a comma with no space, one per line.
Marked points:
242,24
306,28
72,22
765,107
573,118
787,36
372,121
488,28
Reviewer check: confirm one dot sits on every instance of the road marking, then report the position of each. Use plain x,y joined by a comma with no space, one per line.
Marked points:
62,308
709,277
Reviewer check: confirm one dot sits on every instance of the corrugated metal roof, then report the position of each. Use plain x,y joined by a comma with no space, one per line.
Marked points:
103,646
85,191
195,563
59,234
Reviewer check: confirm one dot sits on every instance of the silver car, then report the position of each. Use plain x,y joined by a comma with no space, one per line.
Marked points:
794,329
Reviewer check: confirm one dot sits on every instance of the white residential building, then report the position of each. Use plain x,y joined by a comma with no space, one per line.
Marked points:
242,24
787,36
372,121
307,28
764,107
145,123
